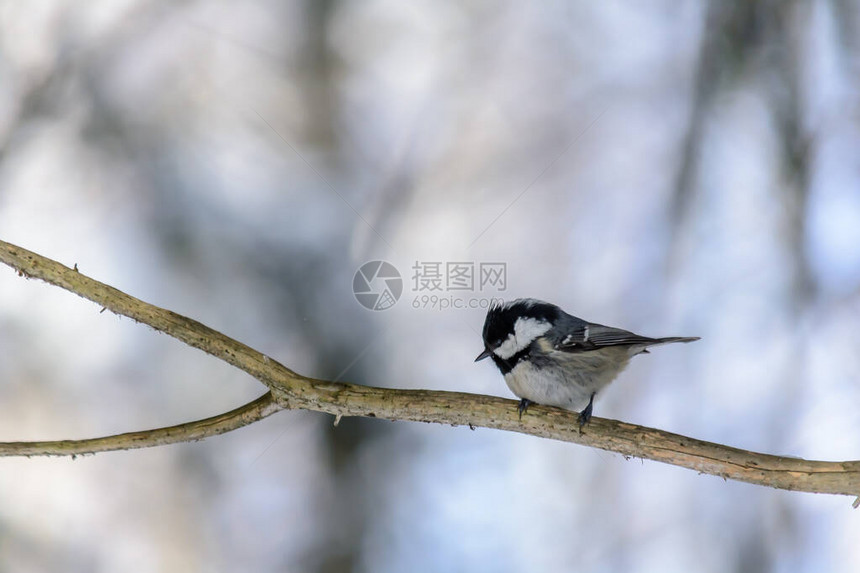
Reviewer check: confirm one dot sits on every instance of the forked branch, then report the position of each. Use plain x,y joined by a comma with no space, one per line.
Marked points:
291,390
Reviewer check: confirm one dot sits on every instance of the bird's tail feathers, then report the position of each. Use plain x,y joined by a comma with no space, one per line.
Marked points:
671,339
643,349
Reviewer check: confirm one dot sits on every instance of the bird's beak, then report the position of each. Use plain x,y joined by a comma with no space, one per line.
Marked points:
485,354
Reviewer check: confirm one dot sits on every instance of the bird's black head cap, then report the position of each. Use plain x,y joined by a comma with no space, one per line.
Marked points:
501,318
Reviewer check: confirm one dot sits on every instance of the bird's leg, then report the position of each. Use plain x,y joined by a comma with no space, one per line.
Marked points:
585,415
523,406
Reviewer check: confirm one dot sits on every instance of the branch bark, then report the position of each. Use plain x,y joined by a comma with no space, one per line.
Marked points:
291,390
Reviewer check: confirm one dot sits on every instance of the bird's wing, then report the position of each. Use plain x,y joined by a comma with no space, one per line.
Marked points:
591,336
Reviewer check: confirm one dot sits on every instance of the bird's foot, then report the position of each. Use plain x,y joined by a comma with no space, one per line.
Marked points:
585,415
523,406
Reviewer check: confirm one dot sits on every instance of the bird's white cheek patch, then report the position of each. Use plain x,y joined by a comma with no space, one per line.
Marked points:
507,348
525,331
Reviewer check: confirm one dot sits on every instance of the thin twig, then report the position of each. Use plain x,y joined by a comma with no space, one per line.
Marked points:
292,390
251,412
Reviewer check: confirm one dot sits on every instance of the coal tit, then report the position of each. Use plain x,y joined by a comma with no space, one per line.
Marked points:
552,358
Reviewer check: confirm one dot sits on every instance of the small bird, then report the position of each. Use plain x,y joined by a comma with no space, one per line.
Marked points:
552,358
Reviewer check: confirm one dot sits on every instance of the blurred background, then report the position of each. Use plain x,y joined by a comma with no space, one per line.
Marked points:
674,169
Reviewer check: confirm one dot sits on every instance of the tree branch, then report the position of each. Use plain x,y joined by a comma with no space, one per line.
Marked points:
292,390
188,432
